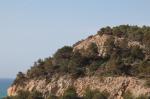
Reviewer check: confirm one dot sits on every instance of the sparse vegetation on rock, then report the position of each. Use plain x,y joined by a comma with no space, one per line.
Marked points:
114,51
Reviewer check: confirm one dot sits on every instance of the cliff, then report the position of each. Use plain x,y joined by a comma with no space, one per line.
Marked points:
108,61
116,86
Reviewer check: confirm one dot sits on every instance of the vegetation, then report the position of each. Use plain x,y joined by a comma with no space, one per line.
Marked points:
95,94
143,97
27,95
131,61
70,93
147,83
128,95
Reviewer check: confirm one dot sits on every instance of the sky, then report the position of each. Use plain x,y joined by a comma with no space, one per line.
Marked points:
33,29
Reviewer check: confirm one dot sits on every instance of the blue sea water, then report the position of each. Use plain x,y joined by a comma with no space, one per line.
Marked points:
4,84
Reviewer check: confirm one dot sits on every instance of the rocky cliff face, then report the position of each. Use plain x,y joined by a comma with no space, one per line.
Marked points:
106,43
116,86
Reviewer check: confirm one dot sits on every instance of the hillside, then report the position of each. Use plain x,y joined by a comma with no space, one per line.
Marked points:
112,64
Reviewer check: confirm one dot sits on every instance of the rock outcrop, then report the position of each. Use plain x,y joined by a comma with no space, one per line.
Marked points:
106,44
116,86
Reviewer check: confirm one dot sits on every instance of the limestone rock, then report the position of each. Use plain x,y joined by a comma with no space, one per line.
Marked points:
116,86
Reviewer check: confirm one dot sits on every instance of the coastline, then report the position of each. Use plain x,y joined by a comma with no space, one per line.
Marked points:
4,84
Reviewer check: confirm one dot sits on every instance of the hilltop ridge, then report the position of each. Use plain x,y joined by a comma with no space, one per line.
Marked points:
116,60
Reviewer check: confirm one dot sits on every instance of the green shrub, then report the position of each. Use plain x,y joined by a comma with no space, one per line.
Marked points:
20,78
136,52
143,97
76,64
62,53
35,95
95,94
147,82
78,72
144,68
95,64
128,95
51,96
62,57
70,93
106,30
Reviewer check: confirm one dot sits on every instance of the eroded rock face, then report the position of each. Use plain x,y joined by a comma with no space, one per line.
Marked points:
102,43
12,91
106,44
116,86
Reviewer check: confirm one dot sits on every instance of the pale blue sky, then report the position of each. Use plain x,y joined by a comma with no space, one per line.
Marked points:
32,29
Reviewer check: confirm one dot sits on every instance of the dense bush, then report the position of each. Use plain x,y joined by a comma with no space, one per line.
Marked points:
70,93
144,68
136,52
128,95
143,97
95,94
147,83
20,79
51,96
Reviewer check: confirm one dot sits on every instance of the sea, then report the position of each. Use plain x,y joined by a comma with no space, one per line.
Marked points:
4,84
